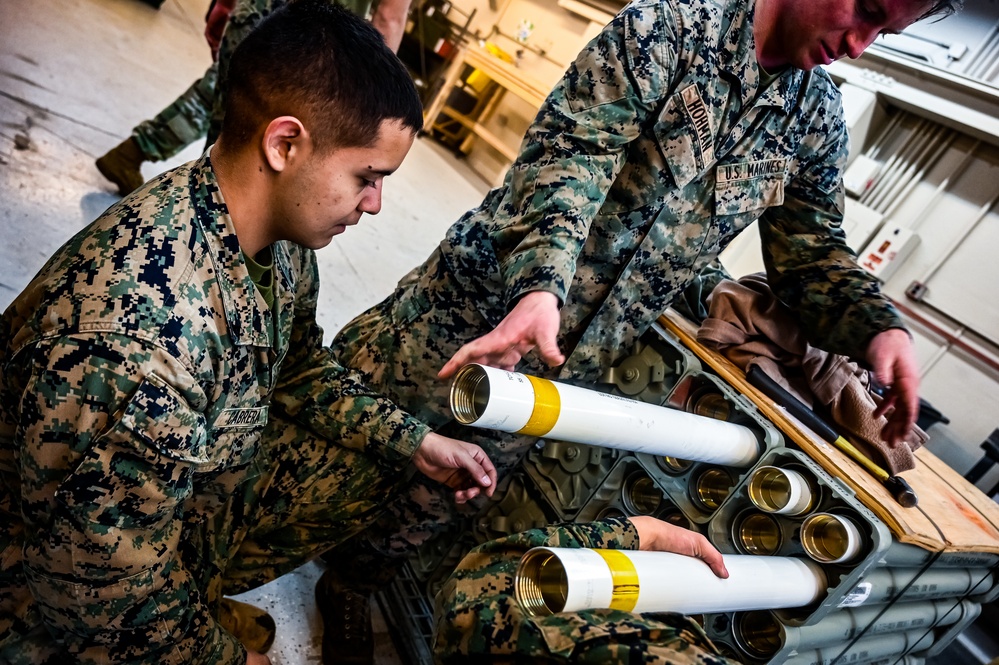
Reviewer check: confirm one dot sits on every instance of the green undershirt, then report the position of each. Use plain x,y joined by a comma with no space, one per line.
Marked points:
261,269
766,78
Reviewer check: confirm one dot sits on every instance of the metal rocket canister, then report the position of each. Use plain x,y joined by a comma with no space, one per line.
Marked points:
513,402
551,579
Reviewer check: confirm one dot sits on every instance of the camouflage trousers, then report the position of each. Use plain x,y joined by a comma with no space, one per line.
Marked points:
181,123
399,346
302,496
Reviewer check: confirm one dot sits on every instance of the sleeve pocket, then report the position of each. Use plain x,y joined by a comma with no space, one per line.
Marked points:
161,418
135,474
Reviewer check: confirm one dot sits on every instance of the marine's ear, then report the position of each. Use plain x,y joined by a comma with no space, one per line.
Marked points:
285,139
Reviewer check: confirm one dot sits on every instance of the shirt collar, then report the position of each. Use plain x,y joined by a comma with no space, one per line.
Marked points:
246,315
738,58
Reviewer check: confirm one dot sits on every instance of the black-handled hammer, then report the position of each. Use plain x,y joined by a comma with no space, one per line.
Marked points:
897,486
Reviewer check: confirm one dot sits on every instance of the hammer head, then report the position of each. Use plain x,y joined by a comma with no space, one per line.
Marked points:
902,492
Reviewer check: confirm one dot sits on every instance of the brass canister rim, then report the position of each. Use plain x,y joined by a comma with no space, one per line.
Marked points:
759,633
780,490
540,584
469,394
831,538
757,533
711,487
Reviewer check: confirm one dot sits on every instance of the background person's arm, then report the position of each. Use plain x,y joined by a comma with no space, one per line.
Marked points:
571,156
389,18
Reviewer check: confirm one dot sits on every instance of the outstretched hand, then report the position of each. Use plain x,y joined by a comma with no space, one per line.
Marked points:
464,467
656,535
891,355
533,323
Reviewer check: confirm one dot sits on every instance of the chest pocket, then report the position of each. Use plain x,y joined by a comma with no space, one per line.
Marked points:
237,431
747,186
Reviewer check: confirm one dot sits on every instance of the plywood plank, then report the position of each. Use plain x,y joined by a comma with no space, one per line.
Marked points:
952,515
970,516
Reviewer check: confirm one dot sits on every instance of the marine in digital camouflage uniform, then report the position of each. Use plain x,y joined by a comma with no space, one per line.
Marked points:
171,428
149,400
477,618
661,143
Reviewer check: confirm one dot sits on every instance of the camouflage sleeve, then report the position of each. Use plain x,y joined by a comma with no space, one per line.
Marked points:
809,265
577,145
108,445
318,392
476,613
243,18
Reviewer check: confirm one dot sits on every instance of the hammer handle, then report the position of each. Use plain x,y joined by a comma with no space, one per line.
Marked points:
796,408
761,380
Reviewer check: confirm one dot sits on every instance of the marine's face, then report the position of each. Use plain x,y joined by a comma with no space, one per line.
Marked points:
808,33
330,191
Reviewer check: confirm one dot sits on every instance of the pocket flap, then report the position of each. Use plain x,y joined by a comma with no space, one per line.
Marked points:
158,415
747,186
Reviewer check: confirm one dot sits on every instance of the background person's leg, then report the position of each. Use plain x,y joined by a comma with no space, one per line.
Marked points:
174,128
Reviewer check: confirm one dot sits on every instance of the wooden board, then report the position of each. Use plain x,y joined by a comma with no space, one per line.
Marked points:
952,515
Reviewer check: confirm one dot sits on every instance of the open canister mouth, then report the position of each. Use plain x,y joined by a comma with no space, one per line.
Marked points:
469,394
608,512
758,633
711,487
540,583
782,491
641,495
711,405
830,538
673,465
758,533
676,518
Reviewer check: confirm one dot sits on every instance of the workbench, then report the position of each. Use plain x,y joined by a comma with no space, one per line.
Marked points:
952,515
506,75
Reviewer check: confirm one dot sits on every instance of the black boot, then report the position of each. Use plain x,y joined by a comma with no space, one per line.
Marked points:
348,638
356,570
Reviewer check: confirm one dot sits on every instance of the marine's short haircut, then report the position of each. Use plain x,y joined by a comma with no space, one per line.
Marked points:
315,60
942,9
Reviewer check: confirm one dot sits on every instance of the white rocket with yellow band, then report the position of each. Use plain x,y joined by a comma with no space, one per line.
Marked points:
553,579
513,402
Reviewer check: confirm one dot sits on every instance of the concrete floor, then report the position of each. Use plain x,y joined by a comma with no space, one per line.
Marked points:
75,77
